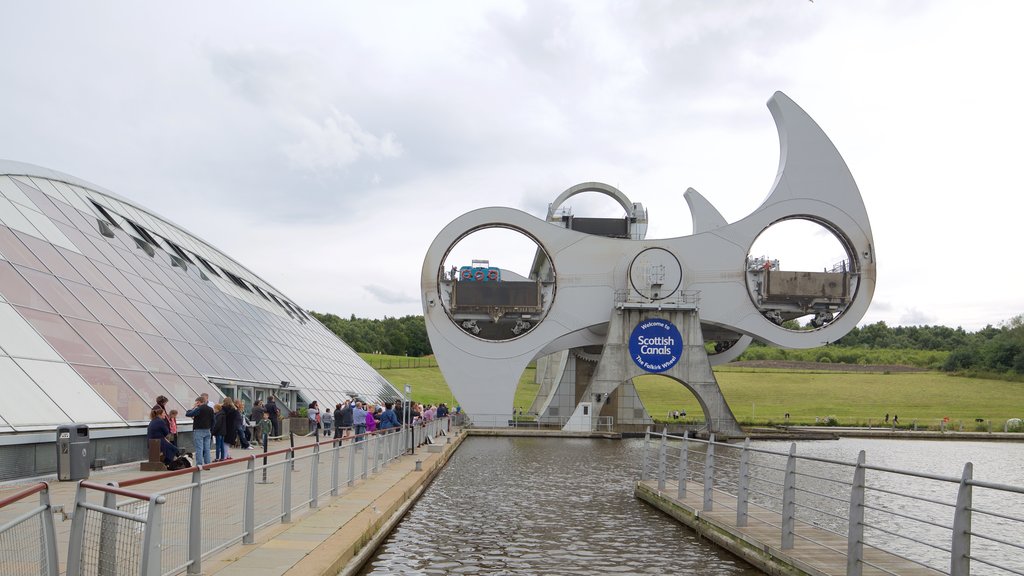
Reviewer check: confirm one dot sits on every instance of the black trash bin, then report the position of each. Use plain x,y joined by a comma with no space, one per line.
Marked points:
74,453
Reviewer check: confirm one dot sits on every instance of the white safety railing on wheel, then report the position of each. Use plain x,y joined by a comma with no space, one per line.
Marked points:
28,542
948,524
118,530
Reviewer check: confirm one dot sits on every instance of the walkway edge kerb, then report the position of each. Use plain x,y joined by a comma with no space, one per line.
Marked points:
340,554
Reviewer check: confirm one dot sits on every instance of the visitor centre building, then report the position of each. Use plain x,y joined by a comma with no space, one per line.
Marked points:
104,306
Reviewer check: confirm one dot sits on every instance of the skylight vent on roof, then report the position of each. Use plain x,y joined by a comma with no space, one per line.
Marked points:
104,212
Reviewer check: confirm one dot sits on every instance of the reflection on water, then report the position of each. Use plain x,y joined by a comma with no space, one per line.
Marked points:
544,506
566,506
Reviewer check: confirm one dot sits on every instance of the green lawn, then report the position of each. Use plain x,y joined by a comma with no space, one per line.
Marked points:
764,396
429,387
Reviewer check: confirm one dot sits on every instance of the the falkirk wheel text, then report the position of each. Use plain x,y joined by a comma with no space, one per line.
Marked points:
594,309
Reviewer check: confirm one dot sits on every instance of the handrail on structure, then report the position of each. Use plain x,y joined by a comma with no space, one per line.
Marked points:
31,535
808,501
171,530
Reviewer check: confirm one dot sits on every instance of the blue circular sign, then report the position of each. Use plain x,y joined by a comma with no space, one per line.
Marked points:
655,345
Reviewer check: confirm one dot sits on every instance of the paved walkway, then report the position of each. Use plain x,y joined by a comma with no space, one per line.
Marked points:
311,539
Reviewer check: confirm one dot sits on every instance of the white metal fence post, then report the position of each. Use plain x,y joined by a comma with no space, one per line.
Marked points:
960,555
314,475
365,447
709,474
351,463
152,537
249,510
855,532
744,485
48,552
195,524
286,487
106,563
661,459
643,462
681,474
77,537
789,499
336,456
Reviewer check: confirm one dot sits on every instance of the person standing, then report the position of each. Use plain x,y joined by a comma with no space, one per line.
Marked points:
313,414
275,415
202,421
232,422
327,419
172,423
359,420
218,432
264,428
344,419
243,427
388,419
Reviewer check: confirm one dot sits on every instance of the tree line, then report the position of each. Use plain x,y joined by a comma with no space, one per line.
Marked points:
405,336
993,349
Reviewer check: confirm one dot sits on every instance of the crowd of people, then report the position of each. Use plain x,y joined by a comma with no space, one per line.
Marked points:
221,426
356,417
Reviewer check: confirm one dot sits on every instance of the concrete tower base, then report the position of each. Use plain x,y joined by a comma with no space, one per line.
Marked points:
693,369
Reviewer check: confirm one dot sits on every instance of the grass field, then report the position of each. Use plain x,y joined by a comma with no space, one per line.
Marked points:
764,396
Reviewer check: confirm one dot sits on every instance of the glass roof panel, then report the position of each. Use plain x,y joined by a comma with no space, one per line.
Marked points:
140,349
178,389
47,253
78,400
149,388
16,251
17,290
116,355
62,337
129,312
59,297
121,397
25,404
12,215
18,337
170,355
99,307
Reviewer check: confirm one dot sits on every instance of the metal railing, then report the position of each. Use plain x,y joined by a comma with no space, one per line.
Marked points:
118,531
949,524
28,543
533,422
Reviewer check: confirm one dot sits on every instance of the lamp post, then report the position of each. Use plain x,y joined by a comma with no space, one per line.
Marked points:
405,417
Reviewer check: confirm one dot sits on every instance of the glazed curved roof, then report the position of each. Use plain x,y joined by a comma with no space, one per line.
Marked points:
105,304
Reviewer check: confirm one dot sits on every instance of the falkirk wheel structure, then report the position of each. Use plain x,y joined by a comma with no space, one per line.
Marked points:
603,304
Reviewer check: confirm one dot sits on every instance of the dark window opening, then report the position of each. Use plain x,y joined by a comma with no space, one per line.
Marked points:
104,212
238,281
175,261
178,250
105,228
143,233
206,264
260,292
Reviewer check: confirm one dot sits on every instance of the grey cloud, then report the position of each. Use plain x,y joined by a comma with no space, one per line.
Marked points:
915,317
389,296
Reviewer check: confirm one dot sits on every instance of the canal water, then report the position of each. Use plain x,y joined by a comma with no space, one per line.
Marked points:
544,506
566,506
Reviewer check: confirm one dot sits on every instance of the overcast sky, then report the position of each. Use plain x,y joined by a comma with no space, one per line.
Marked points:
325,144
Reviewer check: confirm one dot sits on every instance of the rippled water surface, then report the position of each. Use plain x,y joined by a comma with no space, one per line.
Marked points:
544,506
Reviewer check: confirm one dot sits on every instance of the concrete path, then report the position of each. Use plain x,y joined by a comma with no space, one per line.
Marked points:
317,541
